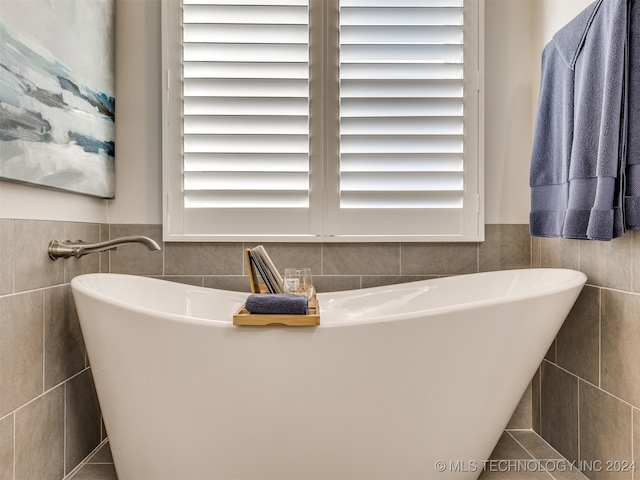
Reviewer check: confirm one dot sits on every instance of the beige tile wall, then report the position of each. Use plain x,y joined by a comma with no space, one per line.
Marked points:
338,266
587,392
49,415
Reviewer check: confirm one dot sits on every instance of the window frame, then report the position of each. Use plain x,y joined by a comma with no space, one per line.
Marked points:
323,179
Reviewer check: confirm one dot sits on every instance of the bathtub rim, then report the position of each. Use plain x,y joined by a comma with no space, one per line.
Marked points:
574,278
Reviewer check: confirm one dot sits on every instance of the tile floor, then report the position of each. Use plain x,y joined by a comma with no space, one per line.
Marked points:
524,455
519,455
98,466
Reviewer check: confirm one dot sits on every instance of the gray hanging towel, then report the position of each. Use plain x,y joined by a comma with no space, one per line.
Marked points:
579,148
632,173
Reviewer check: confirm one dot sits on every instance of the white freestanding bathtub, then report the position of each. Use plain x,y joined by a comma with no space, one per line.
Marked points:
410,381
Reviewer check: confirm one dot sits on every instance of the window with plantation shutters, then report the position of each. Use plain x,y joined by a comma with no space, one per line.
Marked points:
322,119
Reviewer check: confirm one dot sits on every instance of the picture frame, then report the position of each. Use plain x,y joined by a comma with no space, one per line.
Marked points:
57,102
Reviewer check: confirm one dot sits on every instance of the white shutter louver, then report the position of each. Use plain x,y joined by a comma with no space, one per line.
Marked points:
401,114
246,111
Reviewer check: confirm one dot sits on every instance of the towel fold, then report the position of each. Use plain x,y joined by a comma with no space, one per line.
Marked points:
277,303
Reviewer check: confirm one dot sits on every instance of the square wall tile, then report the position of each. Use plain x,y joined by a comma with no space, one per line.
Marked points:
521,418
6,448
559,253
336,283
64,345
578,342
40,438
635,261
636,441
621,345
83,419
505,247
235,283
89,233
135,259
104,256
536,252
195,258
535,402
6,255
608,264
605,432
33,267
361,259
439,258
559,410
21,341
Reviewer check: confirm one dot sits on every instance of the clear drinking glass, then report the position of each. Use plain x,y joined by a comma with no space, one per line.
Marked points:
298,281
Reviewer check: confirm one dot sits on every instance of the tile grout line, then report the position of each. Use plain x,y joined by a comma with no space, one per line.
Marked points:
14,444
109,251
64,432
600,338
632,262
578,413
591,384
539,399
633,459
44,341
61,384
84,461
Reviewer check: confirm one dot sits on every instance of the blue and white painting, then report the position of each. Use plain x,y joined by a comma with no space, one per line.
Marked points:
57,105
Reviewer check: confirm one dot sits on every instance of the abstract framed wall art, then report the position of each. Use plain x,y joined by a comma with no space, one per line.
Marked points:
57,102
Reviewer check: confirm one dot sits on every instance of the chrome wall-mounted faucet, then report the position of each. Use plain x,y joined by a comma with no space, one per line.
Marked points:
79,248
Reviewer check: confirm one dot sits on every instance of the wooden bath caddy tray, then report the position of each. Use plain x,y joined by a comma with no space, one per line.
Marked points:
243,317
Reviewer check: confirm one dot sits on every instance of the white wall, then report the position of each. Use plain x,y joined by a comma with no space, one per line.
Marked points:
551,15
27,202
138,114
509,63
515,30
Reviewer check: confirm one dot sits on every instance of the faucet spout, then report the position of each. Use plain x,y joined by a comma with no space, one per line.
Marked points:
79,248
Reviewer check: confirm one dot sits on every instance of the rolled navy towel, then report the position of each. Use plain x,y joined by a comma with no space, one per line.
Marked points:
277,303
